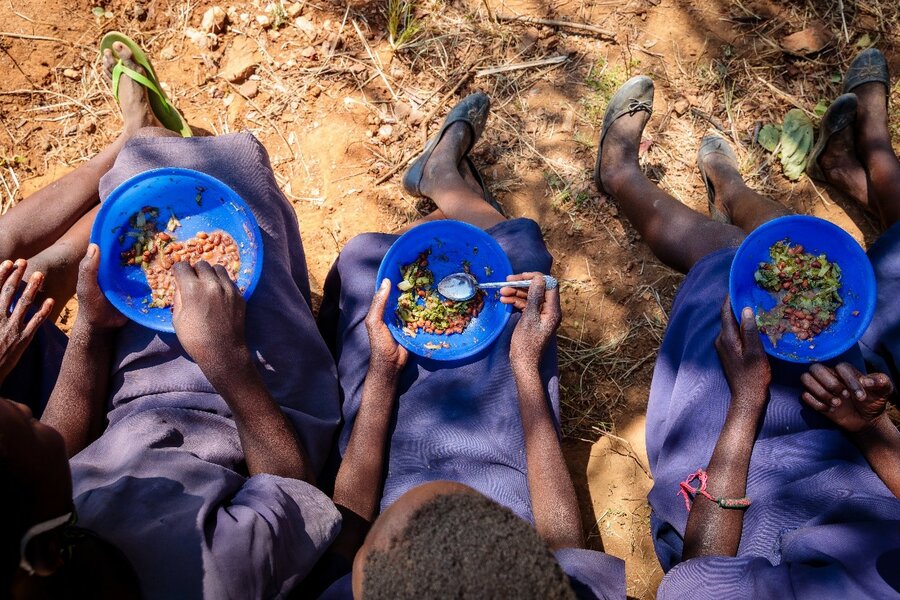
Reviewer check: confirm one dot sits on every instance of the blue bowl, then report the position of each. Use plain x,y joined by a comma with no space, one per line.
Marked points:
817,236
200,203
451,242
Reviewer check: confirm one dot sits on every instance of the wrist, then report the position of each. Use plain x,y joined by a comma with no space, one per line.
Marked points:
879,428
85,333
224,368
383,369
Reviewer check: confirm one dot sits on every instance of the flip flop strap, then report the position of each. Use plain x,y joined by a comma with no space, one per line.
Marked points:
120,69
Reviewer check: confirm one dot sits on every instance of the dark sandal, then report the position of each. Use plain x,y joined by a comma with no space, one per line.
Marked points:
840,115
473,110
634,96
868,66
713,144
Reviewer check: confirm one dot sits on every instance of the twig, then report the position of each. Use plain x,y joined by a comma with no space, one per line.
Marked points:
375,62
787,97
42,38
490,13
267,118
709,119
630,449
843,20
553,60
555,23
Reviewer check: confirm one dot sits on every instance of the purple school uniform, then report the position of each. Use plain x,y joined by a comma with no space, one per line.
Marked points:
166,482
458,422
821,525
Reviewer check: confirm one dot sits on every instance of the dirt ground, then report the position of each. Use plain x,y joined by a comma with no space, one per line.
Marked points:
342,105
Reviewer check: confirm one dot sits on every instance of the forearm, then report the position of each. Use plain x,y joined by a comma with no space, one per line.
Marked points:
881,447
357,489
77,405
553,501
712,530
268,439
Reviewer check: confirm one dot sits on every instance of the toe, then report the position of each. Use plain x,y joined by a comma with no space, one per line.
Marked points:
109,61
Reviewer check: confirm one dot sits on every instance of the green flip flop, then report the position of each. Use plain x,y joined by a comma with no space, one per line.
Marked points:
167,114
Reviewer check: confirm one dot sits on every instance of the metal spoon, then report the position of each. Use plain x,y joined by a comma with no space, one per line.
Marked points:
459,287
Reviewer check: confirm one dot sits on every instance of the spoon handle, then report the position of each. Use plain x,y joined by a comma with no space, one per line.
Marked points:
548,280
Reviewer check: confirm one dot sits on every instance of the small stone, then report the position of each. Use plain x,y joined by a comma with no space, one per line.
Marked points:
402,110
214,20
249,88
568,124
306,26
308,52
808,41
167,53
264,21
87,127
416,116
71,74
681,105
294,9
240,60
385,132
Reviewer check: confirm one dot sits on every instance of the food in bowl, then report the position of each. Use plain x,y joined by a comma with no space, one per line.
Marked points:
805,287
421,308
156,251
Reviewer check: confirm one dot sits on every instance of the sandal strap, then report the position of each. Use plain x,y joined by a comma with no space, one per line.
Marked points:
120,69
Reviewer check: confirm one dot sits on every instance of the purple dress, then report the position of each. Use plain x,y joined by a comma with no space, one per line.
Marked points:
822,524
167,481
459,422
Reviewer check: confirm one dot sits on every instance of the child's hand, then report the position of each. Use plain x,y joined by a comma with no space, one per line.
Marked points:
851,400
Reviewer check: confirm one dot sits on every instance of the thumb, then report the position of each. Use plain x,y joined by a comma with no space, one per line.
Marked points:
535,296
376,310
90,265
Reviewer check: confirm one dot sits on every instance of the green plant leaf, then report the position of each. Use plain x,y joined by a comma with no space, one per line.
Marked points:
769,136
821,108
796,142
98,11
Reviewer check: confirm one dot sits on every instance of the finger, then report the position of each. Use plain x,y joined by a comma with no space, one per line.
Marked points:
522,276
223,277
749,331
729,323
879,384
89,267
512,292
535,297
829,380
551,311
38,319
379,301
850,376
518,303
8,291
6,267
28,296
185,277
813,386
205,271
813,403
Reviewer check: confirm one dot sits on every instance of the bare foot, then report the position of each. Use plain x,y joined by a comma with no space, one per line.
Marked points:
442,170
619,152
136,111
842,168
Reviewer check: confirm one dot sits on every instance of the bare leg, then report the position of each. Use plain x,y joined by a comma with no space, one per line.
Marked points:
453,190
746,208
677,235
873,146
437,214
41,219
60,240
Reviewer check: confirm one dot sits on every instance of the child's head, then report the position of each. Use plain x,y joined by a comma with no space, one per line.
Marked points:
444,539
37,488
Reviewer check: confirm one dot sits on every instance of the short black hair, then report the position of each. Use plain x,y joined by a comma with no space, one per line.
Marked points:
464,546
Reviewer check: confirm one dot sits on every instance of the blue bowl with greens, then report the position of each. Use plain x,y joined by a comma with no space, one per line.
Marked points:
830,262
